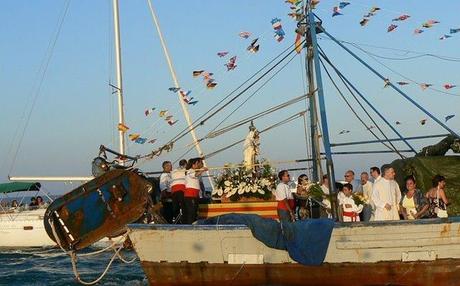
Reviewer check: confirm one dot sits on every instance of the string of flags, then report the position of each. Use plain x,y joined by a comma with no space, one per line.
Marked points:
421,122
423,85
278,29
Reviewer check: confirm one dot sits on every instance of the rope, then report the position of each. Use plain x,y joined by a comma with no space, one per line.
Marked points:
176,83
264,130
74,258
393,148
199,123
44,68
347,85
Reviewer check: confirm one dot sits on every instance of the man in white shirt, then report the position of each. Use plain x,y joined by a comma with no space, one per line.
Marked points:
386,196
375,173
165,191
365,189
283,194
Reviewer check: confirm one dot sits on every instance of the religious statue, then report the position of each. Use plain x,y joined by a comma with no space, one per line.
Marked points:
251,147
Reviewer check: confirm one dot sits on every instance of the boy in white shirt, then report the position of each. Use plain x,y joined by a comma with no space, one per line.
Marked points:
350,210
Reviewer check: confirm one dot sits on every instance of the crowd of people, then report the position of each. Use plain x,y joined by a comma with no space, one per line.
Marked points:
35,202
181,189
380,195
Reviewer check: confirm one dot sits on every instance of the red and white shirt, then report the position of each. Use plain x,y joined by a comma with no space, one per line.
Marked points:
178,180
283,192
192,184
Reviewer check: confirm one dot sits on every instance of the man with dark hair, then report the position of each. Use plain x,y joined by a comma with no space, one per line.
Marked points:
386,195
177,190
165,191
283,194
375,173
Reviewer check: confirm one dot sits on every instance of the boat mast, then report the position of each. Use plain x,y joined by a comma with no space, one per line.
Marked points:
119,83
313,112
184,106
313,46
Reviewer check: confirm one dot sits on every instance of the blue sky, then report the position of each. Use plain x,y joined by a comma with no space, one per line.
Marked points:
75,111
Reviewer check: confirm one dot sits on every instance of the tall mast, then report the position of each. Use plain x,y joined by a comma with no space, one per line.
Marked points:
119,83
311,39
184,106
315,146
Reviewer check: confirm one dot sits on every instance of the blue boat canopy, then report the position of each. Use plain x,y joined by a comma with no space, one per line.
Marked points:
19,187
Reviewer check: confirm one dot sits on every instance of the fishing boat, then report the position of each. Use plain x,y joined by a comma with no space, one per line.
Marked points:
22,225
232,248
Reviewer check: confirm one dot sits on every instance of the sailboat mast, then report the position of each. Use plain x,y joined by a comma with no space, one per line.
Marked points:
119,83
183,105
311,38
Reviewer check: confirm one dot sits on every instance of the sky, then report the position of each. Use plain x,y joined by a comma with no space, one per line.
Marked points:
66,112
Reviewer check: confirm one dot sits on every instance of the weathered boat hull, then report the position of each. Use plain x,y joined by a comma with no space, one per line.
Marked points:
439,272
425,252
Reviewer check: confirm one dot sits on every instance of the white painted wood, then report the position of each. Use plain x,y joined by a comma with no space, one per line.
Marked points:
363,243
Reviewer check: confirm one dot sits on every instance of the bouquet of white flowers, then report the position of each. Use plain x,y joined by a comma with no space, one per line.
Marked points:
235,183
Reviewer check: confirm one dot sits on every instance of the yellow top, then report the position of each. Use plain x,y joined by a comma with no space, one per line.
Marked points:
409,205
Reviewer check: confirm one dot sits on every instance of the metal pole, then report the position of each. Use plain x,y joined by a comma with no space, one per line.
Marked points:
322,109
176,84
392,85
119,83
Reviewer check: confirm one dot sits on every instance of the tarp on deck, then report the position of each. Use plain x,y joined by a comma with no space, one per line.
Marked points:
305,240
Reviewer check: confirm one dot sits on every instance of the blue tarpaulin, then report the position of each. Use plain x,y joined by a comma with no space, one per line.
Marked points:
305,240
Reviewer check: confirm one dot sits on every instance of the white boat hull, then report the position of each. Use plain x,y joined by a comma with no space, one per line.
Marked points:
24,229
402,250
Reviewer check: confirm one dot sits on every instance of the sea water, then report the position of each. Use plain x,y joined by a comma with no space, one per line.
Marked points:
51,266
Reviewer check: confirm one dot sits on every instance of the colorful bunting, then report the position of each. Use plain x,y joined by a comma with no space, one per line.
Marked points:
163,113
364,21
193,102
418,31
149,111
152,141
402,18
386,83
134,136
336,11
122,127
343,4
211,85
425,85
197,73
245,35
174,89
314,3
443,37
222,54
231,65
402,82
253,47
449,86
278,29
140,140
453,31
391,28
171,122
449,117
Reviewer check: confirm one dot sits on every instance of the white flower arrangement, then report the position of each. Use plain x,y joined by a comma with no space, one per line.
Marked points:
235,183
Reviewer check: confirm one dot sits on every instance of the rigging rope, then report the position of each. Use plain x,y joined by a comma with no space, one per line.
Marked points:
43,68
392,147
349,86
289,119
200,121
